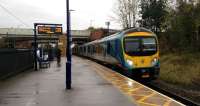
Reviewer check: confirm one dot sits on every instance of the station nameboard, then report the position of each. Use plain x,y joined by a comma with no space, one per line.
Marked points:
49,30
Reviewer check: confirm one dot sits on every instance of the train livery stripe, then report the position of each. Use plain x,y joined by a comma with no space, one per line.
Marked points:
140,34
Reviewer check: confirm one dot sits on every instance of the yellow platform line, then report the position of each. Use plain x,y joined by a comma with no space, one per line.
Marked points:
135,89
107,76
167,103
148,104
99,71
145,97
132,90
142,95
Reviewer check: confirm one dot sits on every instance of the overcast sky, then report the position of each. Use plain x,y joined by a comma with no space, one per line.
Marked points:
87,12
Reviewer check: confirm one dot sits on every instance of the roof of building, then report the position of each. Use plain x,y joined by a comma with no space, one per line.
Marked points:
26,31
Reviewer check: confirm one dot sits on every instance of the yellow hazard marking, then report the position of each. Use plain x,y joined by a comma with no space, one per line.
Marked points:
148,104
133,90
167,103
148,96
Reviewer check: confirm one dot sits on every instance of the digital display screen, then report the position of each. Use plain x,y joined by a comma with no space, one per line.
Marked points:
49,30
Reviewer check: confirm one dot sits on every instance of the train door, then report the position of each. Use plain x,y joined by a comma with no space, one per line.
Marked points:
108,48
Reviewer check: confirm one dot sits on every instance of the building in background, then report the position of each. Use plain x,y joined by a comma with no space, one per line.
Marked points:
100,33
23,38
78,37
62,44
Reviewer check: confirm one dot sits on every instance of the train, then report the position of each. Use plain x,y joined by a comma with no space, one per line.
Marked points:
135,50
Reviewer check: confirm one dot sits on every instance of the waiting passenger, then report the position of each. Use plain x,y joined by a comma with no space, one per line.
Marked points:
58,56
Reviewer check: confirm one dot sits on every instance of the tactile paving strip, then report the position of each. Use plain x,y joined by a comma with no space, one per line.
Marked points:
137,92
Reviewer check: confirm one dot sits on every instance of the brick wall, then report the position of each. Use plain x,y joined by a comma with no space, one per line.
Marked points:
97,34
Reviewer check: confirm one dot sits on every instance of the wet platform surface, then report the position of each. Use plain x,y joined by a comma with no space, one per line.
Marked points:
46,87
138,93
92,85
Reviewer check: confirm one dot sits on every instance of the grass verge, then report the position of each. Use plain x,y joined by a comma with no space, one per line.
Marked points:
181,69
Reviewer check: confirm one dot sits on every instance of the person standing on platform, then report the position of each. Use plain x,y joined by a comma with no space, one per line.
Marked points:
58,56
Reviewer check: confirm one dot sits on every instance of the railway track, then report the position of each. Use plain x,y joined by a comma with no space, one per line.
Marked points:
181,99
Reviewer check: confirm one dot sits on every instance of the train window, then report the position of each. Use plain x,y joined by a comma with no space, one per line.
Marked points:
148,44
140,46
132,45
94,49
112,45
108,47
104,47
91,48
88,49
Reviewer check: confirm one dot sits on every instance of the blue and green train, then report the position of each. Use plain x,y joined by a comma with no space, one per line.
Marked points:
135,50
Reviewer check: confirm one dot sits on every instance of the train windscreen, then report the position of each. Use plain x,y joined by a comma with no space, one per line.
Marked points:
140,46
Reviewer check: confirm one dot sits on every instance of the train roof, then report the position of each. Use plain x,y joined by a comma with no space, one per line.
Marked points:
139,29
116,35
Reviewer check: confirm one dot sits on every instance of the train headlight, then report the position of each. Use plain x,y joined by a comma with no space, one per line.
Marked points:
154,61
129,62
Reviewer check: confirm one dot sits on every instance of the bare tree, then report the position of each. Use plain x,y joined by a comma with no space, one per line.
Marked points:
126,11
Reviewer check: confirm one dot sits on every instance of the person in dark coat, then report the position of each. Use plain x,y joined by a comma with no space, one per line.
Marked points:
58,55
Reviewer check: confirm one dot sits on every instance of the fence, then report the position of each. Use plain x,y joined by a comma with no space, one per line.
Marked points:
13,61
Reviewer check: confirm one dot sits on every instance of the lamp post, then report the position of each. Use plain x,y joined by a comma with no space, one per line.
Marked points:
108,24
35,47
68,49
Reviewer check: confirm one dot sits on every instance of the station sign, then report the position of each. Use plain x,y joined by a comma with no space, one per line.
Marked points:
50,30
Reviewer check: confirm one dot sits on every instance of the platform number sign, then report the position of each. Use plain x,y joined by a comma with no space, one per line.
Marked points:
49,30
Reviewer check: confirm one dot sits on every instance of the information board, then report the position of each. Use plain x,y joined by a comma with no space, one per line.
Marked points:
49,30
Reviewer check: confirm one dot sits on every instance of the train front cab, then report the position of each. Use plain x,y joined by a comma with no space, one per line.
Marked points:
141,54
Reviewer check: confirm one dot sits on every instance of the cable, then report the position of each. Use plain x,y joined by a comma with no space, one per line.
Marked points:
9,12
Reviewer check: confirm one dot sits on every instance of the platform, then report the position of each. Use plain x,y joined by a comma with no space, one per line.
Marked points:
92,85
